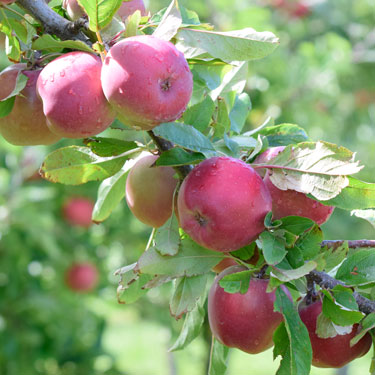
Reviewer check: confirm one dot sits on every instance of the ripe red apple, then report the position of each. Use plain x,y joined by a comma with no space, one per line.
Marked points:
244,321
81,277
127,8
149,191
335,351
77,211
291,202
26,125
147,80
222,204
73,100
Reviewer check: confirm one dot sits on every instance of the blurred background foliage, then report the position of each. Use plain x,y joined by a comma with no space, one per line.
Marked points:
321,77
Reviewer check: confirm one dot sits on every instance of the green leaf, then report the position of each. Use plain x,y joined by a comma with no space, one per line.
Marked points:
296,224
333,256
132,23
19,29
357,195
111,192
368,215
236,282
167,237
282,348
100,12
131,285
19,86
221,124
200,114
185,136
358,268
170,22
289,275
310,242
367,324
273,248
75,165
218,358
245,253
319,169
297,358
47,43
12,45
6,106
191,260
325,328
177,156
238,45
283,134
187,291
339,314
109,146
192,326
240,112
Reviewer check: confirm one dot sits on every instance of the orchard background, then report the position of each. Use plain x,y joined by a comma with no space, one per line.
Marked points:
321,77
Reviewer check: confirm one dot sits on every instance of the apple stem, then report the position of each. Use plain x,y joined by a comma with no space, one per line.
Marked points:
103,51
164,145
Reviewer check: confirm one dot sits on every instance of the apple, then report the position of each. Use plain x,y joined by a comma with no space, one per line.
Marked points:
7,2
222,204
73,100
127,8
266,156
335,351
74,10
81,277
147,80
291,202
224,264
77,211
26,124
149,191
244,321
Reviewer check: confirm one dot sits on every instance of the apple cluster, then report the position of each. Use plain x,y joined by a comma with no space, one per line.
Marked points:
144,81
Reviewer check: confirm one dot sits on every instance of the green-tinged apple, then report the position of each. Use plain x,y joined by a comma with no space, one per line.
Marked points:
244,321
222,204
81,277
149,191
147,80
26,124
290,202
77,211
73,100
335,351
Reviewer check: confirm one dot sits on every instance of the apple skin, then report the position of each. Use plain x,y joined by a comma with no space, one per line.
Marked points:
224,264
147,81
291,202
73,100
81,277
149,191
77,211
26,125
222,204
244,321
332,352
127,8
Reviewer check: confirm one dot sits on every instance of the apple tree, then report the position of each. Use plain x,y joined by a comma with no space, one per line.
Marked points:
158,104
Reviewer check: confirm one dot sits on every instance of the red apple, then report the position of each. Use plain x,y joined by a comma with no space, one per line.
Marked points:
222,204
147,80
266,157
127,8
26,125
244,321
73,100
335,351
291,202
81,277
149,191
77,211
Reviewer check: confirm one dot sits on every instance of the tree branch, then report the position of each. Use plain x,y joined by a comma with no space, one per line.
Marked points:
52,22
327,282
164,145
351,244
